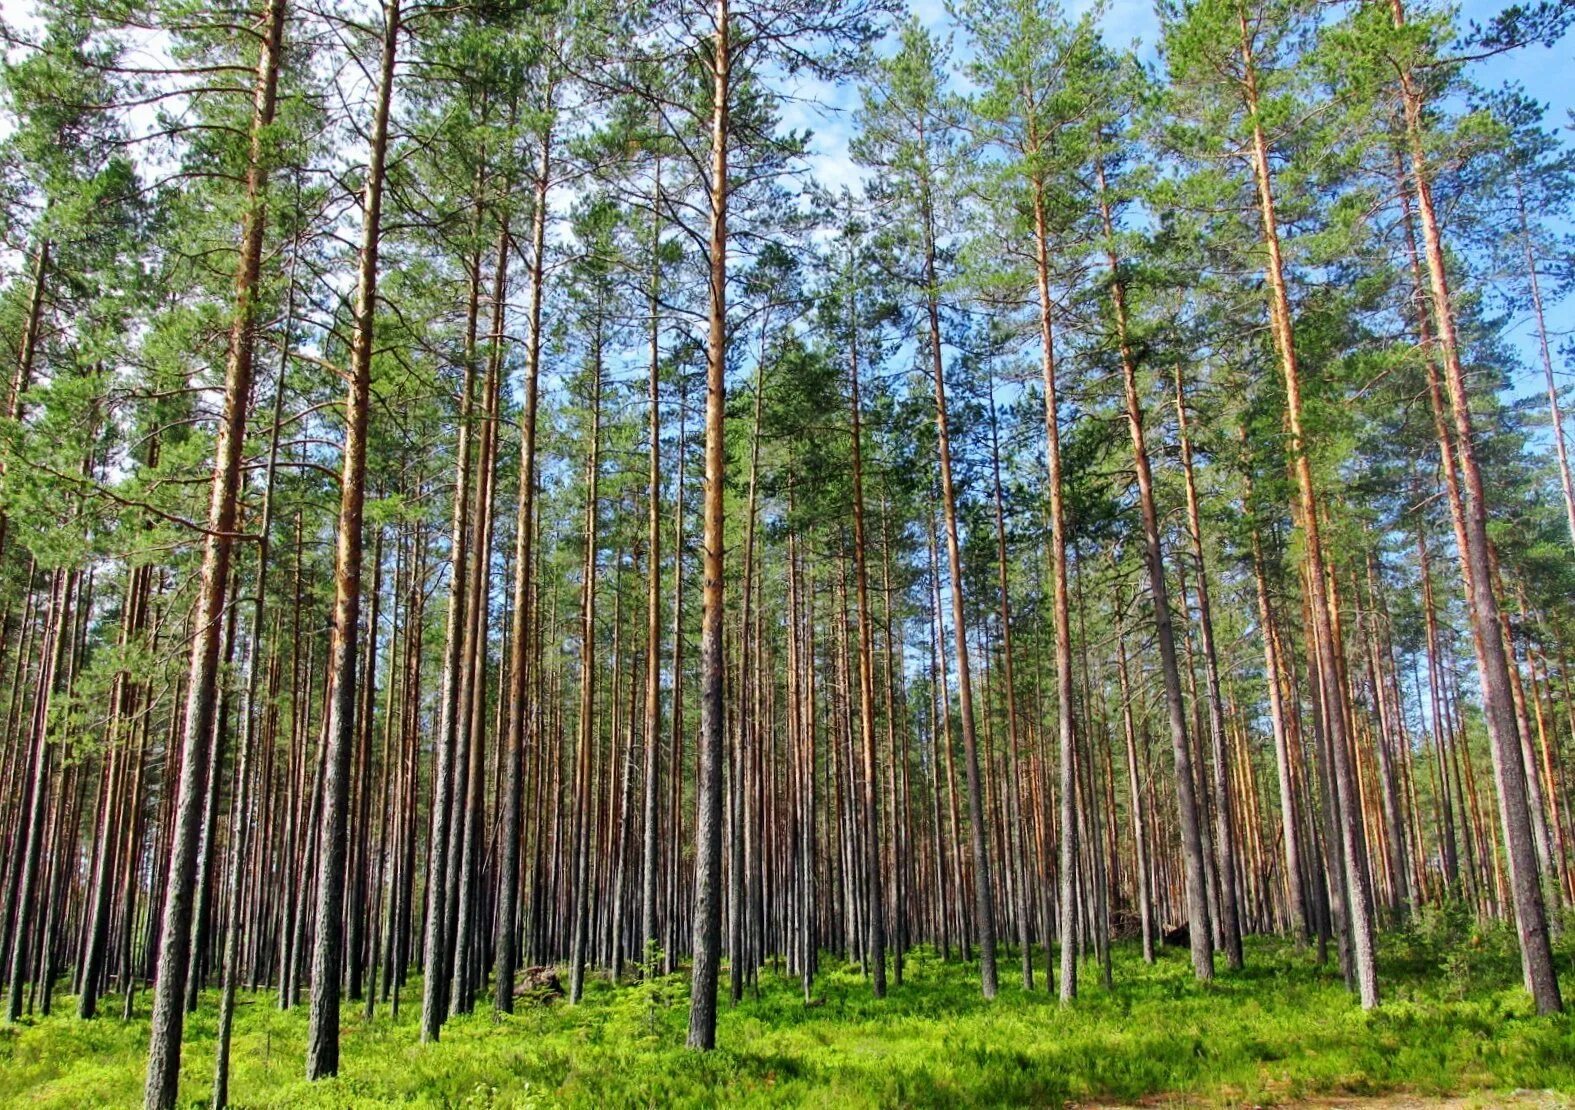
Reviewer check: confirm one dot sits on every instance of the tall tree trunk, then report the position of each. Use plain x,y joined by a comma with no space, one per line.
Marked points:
983,893
587,720
202,684
649,859
1486,624
746,845
875,949
322,1044
1015,838
27,355
1063,636
1290,823
33,808
447,806
1192,853
1224,827
466,831
949,847
1139,833
240,832
1555,410
1325,648
708,802
124,698
901,801
1388,743
675,757
519,714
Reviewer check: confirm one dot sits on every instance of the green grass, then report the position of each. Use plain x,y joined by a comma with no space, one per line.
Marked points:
1453,1020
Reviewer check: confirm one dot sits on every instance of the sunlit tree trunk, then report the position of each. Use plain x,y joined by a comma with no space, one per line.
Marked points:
587,737
519,714
322,1049
1325,647
1188,810
1290,822
1224,819
649,857
875,930
1016,841
708,805
1486,625
163,1073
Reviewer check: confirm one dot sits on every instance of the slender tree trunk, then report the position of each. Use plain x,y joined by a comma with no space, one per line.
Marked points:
125,696
34,808
675,761
1199,928
1508,766
1388,743
649,858
1290,823
746,845
587,722
202,896
322,1048
447,805
27,355
240,833
984,894
1015,838
1357,880
202,684
901,801
466,831
941,729
1555,410
518,712
1139,833
875,948
1224,826
708,803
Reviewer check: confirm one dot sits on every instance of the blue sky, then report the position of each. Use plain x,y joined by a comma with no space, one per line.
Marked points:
1545,73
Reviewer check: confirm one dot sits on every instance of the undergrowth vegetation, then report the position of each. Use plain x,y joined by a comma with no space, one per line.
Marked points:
1454,1019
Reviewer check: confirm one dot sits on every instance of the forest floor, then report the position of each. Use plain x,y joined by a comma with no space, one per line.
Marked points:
1454,1022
